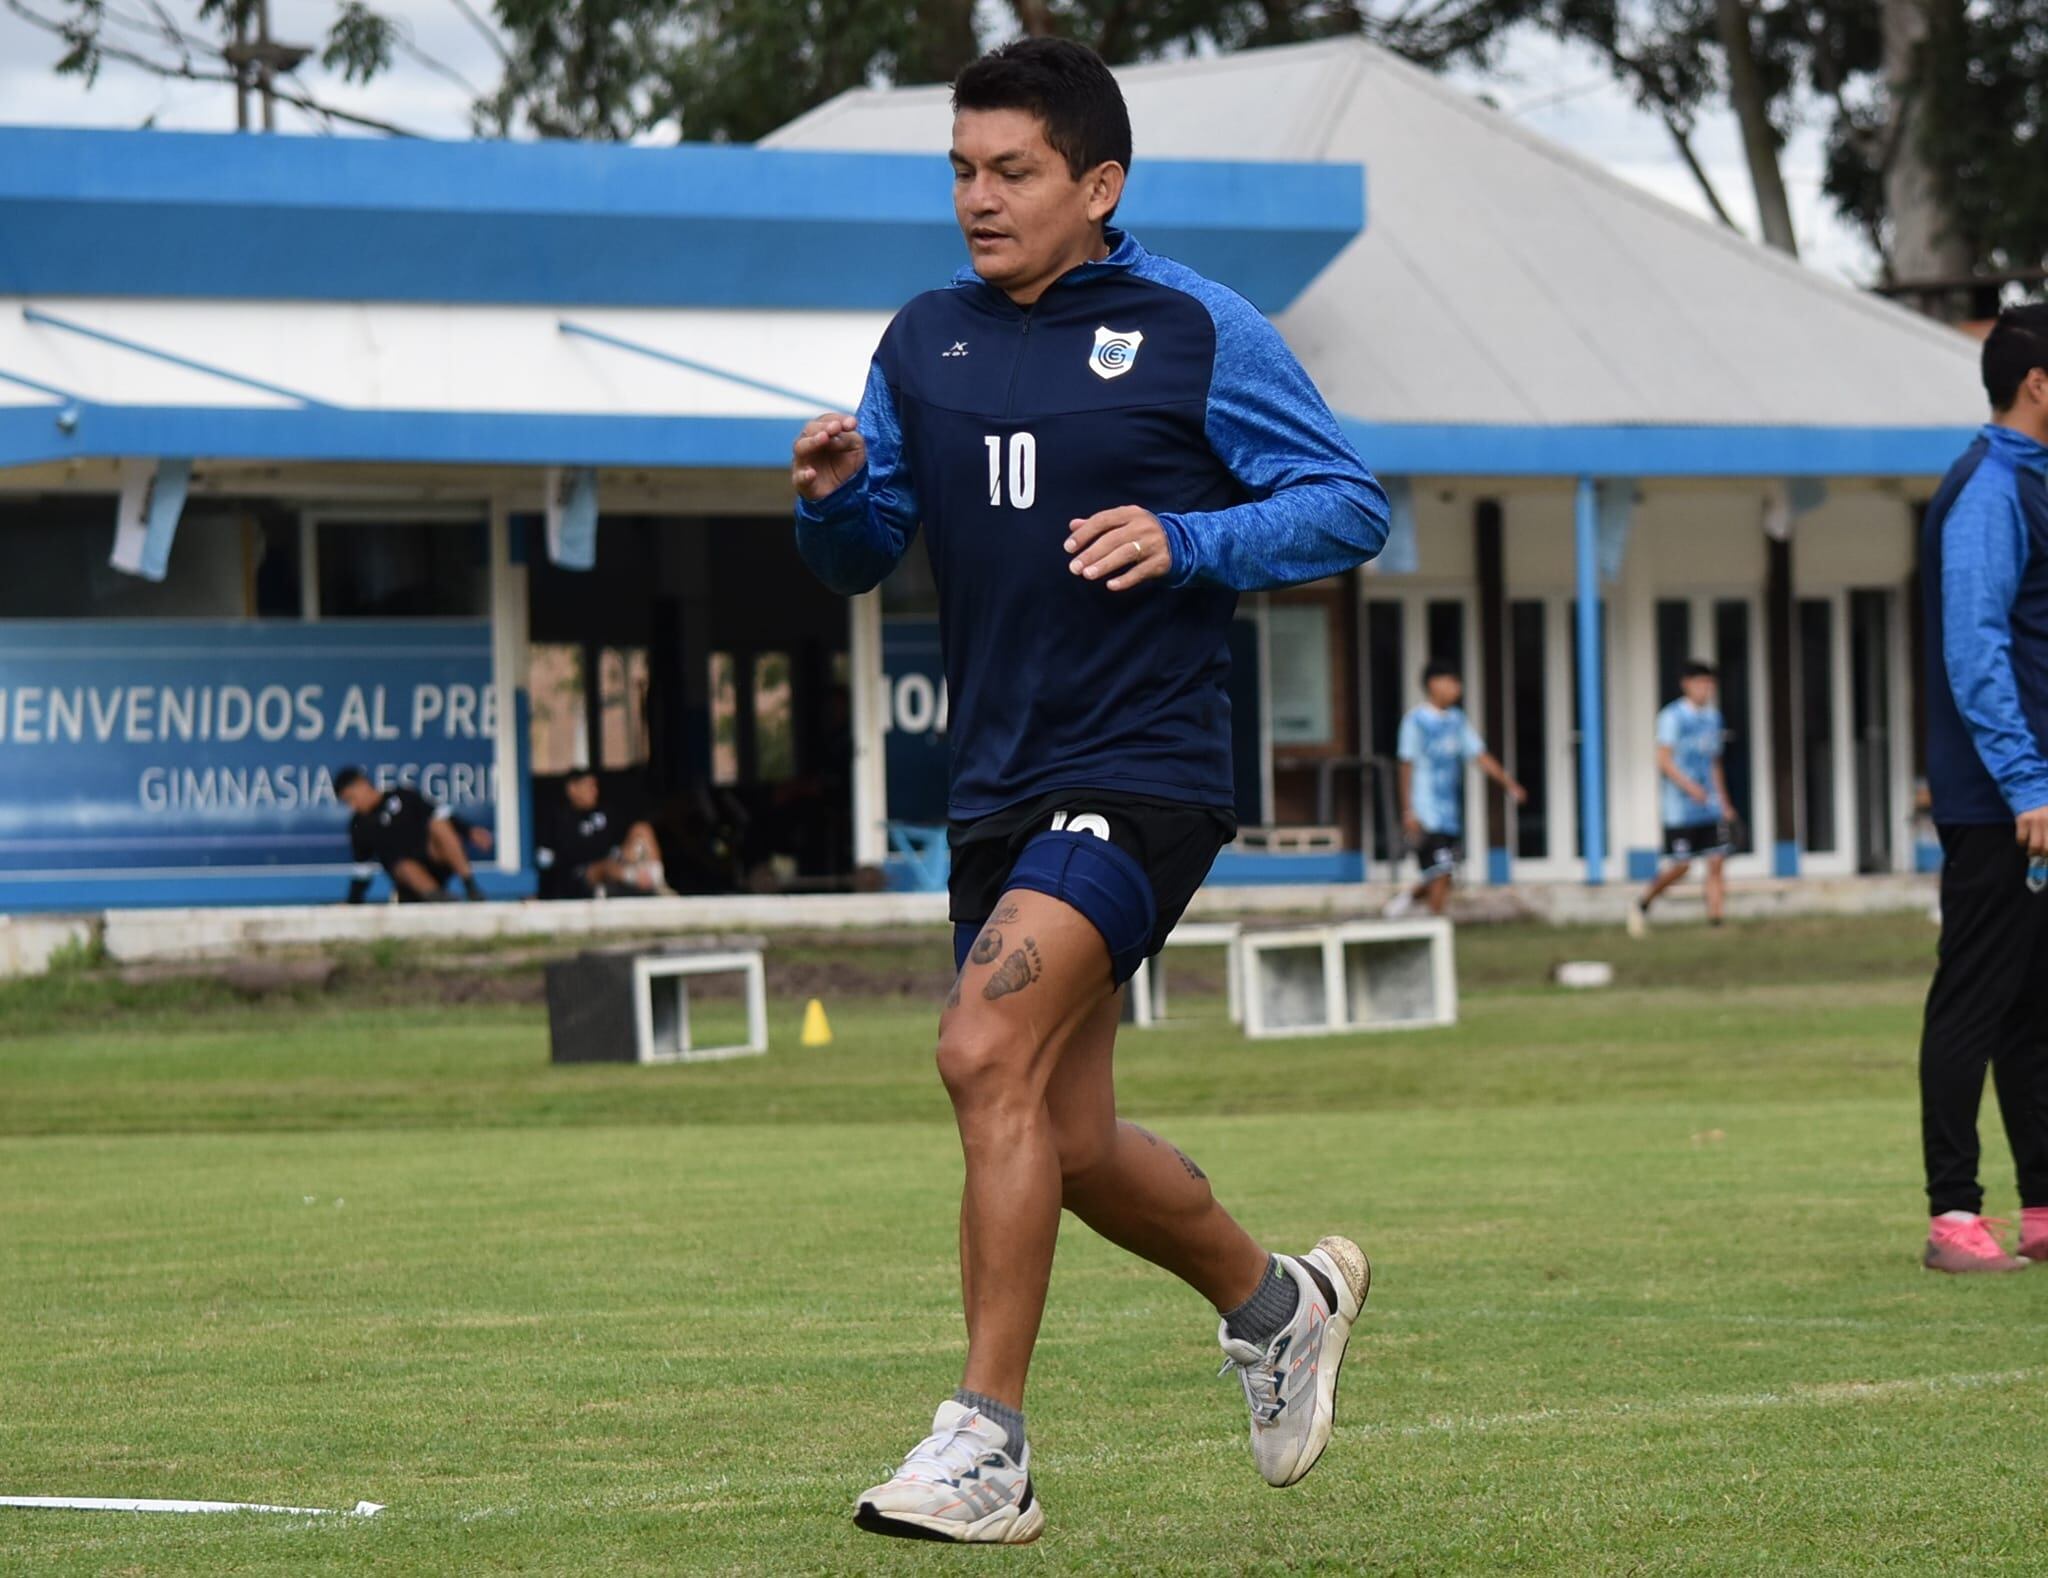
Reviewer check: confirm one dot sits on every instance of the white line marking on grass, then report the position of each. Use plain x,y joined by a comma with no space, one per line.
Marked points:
362,1509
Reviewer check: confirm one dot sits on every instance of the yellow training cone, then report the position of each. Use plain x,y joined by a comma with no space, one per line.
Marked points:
817,1033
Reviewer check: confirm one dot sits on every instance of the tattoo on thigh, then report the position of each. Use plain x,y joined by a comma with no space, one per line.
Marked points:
987,946
1015,973
1005,913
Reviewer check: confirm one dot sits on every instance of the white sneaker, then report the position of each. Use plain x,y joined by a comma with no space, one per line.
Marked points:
959,1483
1291,1384
1400,904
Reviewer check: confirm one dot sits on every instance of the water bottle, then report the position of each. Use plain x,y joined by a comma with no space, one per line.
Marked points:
2037,873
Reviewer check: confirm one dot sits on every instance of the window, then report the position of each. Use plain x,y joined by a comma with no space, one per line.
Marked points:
725,721
1298,642
403,569
1816,633
67,542
554,690
1731,645
1527,680
1446,629
774,718
622,694
1674,646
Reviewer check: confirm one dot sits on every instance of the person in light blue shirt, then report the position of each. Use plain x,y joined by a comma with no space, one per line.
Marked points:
1699,822
1436,743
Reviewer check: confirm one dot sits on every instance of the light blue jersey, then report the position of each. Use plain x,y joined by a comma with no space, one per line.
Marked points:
1695,736
1439,742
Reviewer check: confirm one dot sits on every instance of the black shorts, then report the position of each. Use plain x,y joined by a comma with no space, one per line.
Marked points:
1438,854
1699,840
1175,843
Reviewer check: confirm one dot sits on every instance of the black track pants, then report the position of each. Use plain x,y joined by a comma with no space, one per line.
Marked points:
1988,1005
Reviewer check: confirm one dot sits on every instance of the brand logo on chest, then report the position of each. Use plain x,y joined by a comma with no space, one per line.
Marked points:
1115,353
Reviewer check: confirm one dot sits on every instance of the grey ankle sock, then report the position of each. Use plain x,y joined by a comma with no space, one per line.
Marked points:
1260,1318
1010,1419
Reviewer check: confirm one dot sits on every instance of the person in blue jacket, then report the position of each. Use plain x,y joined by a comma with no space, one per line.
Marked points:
1104,449
1984,577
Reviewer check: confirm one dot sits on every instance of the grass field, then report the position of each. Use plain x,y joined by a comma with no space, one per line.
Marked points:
1646,1300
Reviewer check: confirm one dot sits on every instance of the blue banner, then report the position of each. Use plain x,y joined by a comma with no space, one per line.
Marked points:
133,746
914,719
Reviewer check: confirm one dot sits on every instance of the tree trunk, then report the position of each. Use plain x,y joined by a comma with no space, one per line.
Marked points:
1925,243
1759,146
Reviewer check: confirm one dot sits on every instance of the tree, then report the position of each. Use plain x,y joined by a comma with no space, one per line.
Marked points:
228,41
719,69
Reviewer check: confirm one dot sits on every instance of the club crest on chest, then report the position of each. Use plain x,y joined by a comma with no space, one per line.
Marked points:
1115,353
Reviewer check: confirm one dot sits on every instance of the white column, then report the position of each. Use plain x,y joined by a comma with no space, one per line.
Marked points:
508,680
870,696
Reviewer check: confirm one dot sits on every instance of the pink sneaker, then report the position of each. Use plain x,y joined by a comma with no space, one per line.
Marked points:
1968,1245
2033,1232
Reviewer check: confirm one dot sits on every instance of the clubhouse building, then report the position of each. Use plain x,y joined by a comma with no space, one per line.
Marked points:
468,463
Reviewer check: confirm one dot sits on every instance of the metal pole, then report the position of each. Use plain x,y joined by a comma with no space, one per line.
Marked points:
241,69
1592,698
263,69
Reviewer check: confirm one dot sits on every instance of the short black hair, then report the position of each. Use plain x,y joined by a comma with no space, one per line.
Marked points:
2016,345
1440,668
1697,668
575,773
348,778
1067,86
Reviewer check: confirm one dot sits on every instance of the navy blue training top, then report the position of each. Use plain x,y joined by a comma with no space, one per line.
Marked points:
1132,380
1984,585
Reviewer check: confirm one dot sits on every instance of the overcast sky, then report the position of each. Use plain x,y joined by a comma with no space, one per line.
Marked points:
1560,92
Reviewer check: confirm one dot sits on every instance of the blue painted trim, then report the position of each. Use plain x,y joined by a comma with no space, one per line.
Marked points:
1785,858
1592,704
1499,867
653,354
1643,864
1239,868
1926,857
228,887
87,331
582,224
1484,450
30,435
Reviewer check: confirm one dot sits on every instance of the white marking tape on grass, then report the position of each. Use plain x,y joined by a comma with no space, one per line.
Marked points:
362,1509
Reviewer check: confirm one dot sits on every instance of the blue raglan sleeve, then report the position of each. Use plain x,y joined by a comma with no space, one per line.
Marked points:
854,536
1315,509
1984,553
1408,742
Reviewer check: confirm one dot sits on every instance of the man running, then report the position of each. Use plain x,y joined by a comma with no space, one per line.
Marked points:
1435,742
1104,448
1698,815
1984,573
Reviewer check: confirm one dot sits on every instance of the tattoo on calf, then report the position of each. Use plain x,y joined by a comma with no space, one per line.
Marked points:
987,946
1015,973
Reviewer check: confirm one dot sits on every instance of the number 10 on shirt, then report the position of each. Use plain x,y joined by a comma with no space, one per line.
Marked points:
1023,470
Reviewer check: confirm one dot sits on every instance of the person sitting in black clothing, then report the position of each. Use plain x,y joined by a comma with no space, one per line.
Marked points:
590,851
419,843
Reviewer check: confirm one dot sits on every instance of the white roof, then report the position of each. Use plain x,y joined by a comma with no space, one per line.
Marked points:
396,356
1501,278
